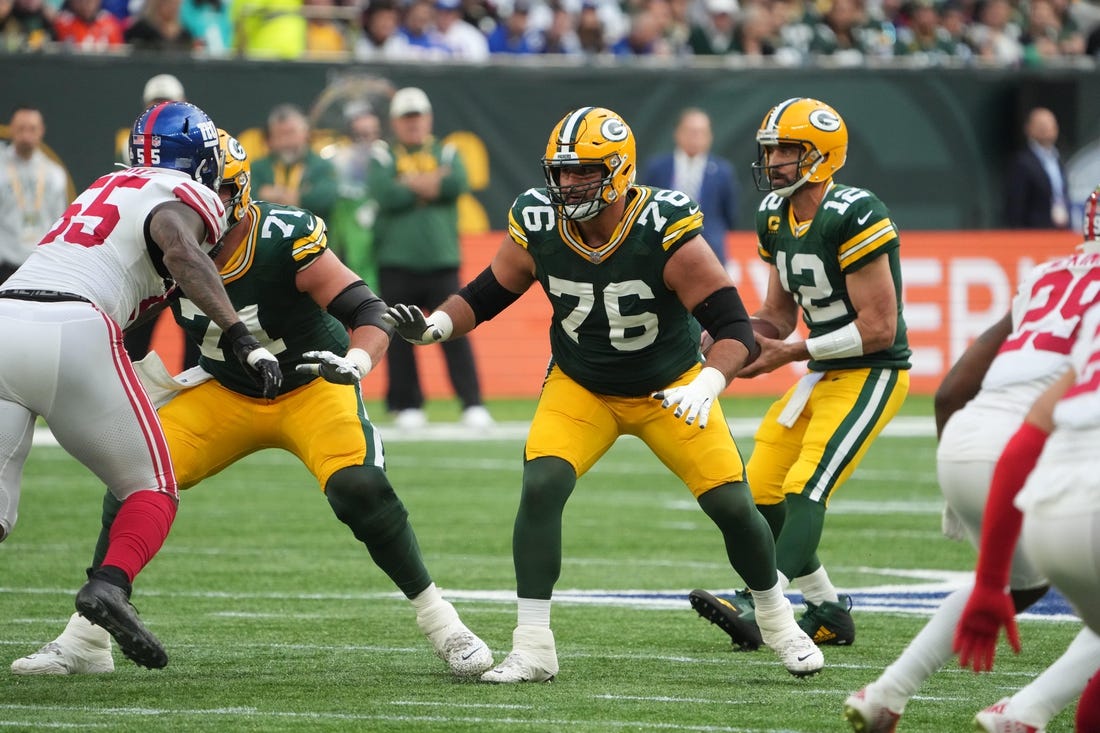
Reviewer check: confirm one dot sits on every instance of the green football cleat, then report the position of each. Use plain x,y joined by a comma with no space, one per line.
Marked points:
828,623
736,615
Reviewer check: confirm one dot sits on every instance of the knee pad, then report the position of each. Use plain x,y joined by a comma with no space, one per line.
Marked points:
362,498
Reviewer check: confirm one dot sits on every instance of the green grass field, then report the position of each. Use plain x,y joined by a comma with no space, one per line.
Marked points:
276,620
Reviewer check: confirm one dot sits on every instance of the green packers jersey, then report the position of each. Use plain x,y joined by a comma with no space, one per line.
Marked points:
850,229
616,328
260,281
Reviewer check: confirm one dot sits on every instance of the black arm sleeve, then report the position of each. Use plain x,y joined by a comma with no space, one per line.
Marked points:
357,305
723,315
486,296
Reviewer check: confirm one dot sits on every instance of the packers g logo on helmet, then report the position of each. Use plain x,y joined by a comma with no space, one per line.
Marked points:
812,125
589,136
236,176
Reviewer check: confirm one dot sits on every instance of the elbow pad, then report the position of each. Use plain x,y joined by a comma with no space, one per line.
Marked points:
357,305
723,315
486,296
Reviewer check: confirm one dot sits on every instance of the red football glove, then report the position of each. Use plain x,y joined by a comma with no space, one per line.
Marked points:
988,609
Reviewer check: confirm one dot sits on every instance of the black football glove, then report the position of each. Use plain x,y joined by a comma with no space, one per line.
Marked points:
256,359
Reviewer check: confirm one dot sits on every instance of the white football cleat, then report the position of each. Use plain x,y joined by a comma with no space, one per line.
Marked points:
477,416
410,419
460,648
868,712
82,648
994,720
798,652
534,658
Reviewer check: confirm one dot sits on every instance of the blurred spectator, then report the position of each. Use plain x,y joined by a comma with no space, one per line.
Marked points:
25,25
996,37
795,21
675,23
955,21
419,31
644,38
351,223
208,21
34,190
292,173
463,41
560,37
714,34
269,28
513,35
326,31
417,181
706,178
158,28
755,33
591,31
85,25
839,33
380,39
924,39
1036,182
1046,37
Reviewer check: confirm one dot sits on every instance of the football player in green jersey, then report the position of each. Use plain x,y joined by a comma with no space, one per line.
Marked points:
300,300
627,274
834,255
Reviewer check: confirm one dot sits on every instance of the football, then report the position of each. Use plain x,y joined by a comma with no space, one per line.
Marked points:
764,328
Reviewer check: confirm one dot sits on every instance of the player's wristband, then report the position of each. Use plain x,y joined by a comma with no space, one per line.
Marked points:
360,359
838,344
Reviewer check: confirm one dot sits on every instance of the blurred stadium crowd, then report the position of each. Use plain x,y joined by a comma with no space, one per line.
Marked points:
1003,33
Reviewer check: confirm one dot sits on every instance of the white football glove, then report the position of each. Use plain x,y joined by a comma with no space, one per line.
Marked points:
410,324
348,369
693,400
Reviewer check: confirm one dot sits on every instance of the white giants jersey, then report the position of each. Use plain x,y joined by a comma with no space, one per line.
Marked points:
98,248
1079,407
1046,317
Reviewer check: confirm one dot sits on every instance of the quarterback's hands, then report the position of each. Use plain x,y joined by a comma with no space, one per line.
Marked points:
988,610
348,369
694,399
255,358
411,325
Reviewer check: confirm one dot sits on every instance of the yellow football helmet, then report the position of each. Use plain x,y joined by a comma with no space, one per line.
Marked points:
813,125
236,176
585,137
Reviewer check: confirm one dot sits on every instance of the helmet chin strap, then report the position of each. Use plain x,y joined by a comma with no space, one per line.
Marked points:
789,189
786,191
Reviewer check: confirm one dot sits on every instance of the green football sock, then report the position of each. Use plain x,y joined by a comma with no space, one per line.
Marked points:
111,505
796,546
776,514
749,544
536,536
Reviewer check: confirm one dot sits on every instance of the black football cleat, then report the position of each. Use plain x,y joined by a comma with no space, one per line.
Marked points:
108,606
736,616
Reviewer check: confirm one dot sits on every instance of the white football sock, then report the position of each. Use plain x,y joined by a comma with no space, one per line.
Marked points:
927,652
533,612
1060,684
816,587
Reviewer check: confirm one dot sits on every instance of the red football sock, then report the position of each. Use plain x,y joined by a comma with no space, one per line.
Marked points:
1088,708
139,530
